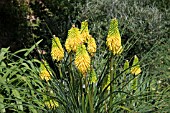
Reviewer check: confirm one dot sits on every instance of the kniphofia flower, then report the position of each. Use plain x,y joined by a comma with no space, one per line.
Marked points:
113,38
135,66
93,78
73,39
84,31
82,59
44,71
91,45
51,103
57,51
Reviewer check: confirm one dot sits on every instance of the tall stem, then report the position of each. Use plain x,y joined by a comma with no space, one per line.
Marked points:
59,68
111,84
90,97
70,70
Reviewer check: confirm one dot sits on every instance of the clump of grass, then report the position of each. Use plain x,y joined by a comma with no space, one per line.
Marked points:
101,82
104,82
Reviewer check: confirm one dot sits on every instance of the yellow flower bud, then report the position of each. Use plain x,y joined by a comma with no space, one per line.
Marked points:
91,47
93,78
113,40
135,67
57,51
73,39
136,70
82,59
84,31
51,104
44,73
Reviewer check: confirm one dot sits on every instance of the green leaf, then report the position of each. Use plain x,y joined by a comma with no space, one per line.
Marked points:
106,82
22,50
3,52
125,108
2,80
32,109
31,49
134,84
2,106
2,65
18,99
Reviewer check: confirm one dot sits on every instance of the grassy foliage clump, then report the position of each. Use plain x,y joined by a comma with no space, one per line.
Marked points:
96,68
104,81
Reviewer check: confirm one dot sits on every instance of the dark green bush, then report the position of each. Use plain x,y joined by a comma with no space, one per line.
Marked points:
14,31
143,24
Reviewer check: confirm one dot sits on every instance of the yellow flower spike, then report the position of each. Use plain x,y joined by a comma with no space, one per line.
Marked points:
136,70
50,103
82,59
135,67
113,40
73,40
93,78
84,31
44,73
57,51
91,46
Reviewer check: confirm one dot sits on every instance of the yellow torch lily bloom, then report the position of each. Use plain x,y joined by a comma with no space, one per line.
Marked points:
44,73
73,39
136,68
93,78
57,51
91,46
51,103
113,40
84,31
82,59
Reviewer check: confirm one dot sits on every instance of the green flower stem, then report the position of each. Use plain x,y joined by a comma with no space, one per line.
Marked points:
112,79
59,68
90,97
134,84
82,95
91,103
111,85
70,70
48,28
134,87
